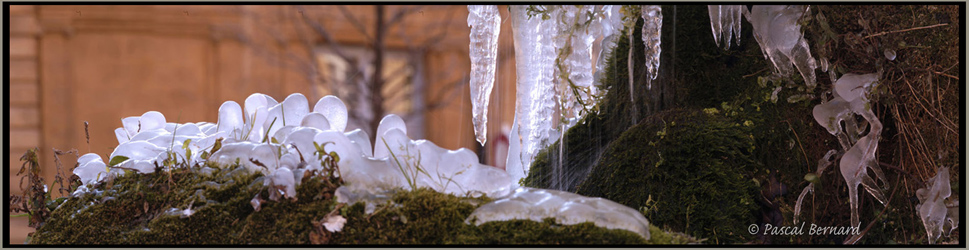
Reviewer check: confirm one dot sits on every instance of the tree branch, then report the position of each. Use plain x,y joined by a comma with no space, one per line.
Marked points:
356,23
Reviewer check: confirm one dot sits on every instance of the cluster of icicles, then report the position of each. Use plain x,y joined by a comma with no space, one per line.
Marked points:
279,140
554,59
553,54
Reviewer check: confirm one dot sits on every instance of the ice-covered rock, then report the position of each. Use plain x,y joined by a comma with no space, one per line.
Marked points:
932,208
566,208
725,23
777,31
485,23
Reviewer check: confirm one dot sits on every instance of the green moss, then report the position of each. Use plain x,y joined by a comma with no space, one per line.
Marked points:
132,209
688,169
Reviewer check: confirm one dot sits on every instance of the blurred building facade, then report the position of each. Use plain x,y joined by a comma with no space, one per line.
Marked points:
97,64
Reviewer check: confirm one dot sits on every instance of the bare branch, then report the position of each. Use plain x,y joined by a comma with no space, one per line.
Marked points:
402,13
336,48
454,89
356,23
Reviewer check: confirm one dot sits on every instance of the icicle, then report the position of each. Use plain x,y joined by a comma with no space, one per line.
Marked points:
535,104
611,24
485,23
725,23
780,38
861,156
653,25
932,208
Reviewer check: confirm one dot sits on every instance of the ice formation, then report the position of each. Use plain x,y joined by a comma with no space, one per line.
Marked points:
850,99
725,23
652,27
535,103
566,208
485,25
932,208
371,170
777,31
823,164
279,140
555,69
611,24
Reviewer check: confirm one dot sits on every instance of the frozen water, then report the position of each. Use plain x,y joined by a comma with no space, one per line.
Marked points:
850,98
853,86
652,28
230,119
334,110
121,134
485,23
822,165
535,102
283,180
151,120
513,163
566,208
91,168
131,125
611,25
303,138
388,123
725,23
777,31
294,107
932,208
141,155
362,140
315,120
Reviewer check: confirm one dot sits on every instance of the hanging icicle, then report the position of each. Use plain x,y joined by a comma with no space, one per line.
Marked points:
652,26
725,23
485,23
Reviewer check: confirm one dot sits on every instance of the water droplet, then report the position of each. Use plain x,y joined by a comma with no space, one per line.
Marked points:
890,54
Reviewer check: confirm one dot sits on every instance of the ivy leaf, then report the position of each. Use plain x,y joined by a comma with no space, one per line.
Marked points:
118,159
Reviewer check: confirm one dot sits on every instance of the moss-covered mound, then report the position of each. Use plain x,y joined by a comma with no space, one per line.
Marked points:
209,205
688,169
615,113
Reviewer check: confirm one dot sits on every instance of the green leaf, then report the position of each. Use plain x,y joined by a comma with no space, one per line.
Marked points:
118,159
811,177
336,157
185,144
